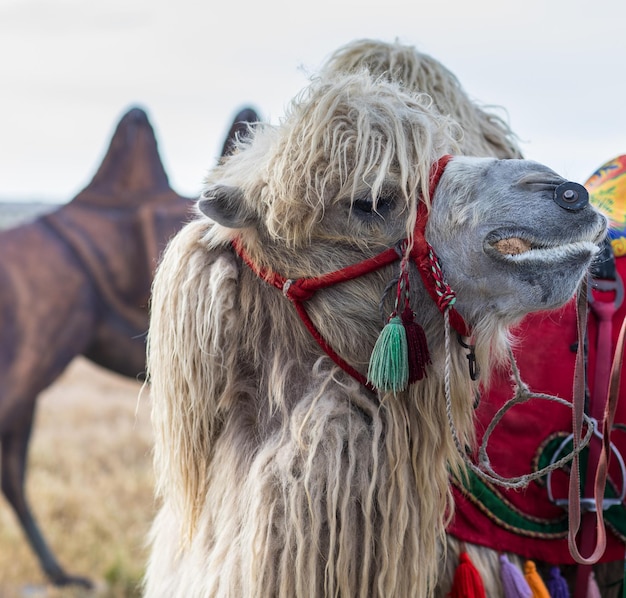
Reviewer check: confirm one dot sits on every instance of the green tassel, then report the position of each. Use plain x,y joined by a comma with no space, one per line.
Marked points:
389,363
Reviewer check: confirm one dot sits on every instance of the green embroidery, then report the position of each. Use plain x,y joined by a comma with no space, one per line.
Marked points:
508,516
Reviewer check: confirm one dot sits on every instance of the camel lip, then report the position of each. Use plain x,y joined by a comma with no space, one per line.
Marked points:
545,255
518,246
509,242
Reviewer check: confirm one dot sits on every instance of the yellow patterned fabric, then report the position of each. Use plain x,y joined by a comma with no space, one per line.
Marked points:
607,192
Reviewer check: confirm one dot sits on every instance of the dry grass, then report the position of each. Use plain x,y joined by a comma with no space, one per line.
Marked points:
90,484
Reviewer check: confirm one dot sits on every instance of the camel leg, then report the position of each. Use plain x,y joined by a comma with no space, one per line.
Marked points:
14,451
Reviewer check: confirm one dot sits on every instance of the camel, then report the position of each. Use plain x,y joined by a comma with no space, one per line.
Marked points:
76,281
301,448
543,352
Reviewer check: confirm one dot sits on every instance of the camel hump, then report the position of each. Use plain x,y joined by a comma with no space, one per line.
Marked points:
131,171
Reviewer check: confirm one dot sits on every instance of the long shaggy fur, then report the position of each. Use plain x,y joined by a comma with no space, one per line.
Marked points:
485,133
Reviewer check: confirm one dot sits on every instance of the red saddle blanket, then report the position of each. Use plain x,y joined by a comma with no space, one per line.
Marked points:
527,522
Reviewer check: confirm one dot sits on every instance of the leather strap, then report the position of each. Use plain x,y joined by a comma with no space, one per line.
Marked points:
606,410
603,312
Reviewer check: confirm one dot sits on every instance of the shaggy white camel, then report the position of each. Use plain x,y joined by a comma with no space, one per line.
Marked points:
288,466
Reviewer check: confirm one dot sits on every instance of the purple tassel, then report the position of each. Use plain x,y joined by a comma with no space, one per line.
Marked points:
514,583
556,584
417,344
593,591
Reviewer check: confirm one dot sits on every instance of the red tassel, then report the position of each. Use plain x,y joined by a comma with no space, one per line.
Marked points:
467,581
419,356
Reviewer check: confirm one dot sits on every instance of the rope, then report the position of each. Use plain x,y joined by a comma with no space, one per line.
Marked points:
521,395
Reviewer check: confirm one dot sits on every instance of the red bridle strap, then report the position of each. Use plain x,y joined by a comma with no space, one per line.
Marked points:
427,263
300,290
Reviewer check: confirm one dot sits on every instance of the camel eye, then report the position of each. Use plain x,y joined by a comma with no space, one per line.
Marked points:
384,205
365,205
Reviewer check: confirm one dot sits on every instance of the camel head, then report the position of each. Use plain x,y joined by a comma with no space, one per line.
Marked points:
512,235
341,180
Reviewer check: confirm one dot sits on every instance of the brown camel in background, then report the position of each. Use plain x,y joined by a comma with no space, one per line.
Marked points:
76,282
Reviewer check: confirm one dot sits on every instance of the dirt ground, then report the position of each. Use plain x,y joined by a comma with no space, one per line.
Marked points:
90,484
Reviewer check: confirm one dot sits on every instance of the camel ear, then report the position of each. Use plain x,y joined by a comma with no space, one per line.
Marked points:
226,205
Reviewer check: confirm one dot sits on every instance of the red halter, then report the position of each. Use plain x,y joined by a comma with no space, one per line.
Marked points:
301,289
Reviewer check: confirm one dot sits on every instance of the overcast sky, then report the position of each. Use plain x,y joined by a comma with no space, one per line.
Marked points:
69,69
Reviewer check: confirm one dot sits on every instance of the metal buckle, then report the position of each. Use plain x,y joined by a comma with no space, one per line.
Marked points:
588,505
606,285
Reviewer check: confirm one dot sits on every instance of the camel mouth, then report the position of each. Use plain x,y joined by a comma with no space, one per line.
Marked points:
515,253
518,248
512,246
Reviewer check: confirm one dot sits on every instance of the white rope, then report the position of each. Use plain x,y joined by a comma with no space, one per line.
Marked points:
521,394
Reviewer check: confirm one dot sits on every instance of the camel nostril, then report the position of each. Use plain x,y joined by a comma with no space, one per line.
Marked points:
571,196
